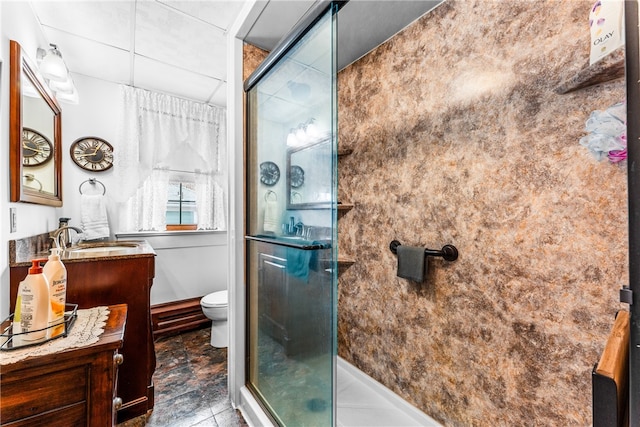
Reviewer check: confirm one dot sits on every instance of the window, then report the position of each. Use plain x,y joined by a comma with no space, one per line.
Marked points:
181,205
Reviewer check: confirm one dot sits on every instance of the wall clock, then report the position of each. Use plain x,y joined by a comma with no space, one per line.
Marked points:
36,148
92,154
297,176
269,173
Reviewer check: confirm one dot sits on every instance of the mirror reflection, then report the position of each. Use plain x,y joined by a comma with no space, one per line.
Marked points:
309,176
37,134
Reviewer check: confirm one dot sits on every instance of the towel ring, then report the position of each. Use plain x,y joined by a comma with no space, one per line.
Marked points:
296,197
268,193
93,181
29,177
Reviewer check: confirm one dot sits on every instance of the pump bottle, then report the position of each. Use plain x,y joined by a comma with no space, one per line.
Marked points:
56,274
32,304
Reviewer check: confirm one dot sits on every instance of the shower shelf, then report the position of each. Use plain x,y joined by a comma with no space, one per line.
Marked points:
345,206
609,68
345,262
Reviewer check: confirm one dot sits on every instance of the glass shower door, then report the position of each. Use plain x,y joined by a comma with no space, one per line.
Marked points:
291,231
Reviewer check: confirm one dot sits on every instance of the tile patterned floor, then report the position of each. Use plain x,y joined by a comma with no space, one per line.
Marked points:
190,385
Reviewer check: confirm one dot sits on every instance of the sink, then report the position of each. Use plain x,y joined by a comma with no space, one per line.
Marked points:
99,248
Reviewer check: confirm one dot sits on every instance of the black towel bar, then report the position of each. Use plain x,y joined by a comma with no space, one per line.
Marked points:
448,252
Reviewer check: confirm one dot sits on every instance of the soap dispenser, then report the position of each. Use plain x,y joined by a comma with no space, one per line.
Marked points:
56,274
32,304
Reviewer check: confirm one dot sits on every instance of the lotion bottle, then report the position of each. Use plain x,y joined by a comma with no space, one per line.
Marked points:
32,304
16,328
56,274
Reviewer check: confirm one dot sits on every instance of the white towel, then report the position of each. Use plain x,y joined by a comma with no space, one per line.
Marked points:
93,217
271,216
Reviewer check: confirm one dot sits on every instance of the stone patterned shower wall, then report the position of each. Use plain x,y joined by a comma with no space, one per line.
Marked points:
459,138
252,57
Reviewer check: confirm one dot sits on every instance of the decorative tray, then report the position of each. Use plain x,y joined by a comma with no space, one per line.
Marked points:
11,341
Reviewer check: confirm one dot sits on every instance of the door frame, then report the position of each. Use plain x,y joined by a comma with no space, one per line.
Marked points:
632,56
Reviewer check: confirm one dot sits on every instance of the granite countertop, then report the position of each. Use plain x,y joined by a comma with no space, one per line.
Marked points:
22,251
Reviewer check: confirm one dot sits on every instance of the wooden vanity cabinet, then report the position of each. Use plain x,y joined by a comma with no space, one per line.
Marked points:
283,302
117,280
74,387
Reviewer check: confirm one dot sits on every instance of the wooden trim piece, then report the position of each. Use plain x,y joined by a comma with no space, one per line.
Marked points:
610,377
181,227
614,357
177,316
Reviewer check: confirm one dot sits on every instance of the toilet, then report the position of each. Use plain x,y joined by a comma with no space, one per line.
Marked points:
216,307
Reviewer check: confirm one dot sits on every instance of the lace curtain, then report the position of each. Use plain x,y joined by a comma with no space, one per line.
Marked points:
161,133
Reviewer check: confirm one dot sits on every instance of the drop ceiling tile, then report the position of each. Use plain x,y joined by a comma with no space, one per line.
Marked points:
219,13
280,110
159,77
108,22
320,85
184,42
316,44
90,58
277,79
276,20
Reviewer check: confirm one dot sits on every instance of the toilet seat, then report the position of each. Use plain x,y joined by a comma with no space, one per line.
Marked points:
215,299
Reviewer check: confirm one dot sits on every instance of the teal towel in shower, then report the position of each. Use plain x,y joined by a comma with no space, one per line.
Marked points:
298,262
411,263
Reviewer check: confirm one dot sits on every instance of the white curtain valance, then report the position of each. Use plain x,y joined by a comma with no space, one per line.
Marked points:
153,124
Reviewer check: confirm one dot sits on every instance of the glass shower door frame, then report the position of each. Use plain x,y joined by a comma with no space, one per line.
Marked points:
271,253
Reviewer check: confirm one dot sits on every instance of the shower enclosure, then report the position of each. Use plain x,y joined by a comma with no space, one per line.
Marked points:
291,241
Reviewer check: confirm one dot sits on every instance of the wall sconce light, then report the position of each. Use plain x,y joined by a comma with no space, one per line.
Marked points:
52,65
55,71
304,134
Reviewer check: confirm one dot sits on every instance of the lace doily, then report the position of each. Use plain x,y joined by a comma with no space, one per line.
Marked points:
86,330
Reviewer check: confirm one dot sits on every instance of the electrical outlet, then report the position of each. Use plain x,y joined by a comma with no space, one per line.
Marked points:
13,219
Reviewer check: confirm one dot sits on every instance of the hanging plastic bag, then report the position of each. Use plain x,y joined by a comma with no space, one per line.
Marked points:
607,133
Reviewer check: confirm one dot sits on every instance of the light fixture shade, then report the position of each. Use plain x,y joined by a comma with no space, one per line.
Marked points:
65,86
292,141
52,66
69,98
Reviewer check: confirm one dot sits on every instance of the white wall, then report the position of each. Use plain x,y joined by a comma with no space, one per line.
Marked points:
96,115
18,23
188,264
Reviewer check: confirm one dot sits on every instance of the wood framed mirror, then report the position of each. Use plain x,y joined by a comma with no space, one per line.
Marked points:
35,134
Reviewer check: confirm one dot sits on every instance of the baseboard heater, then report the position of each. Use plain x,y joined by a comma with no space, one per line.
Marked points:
177,316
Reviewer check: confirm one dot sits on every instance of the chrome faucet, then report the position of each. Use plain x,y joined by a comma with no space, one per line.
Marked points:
61,236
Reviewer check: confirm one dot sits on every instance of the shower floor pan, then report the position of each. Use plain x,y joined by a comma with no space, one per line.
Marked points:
364,402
